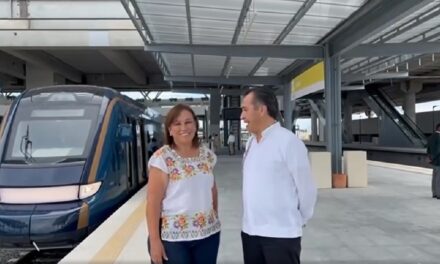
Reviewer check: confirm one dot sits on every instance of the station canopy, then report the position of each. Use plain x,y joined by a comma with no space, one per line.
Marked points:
268,42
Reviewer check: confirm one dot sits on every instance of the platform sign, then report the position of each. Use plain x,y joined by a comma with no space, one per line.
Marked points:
310,81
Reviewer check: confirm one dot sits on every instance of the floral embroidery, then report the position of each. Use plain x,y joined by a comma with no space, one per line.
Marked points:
185,168
210,158
187,225
203,225
189,170
165,223
203,167
199,220
180,222
175,175
169,161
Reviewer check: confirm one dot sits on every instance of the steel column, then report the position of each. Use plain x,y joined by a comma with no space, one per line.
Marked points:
333,109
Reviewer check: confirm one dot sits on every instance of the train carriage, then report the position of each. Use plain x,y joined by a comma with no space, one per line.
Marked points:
70,156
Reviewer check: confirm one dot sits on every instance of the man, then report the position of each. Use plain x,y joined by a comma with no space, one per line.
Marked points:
231,143
433,149
278,190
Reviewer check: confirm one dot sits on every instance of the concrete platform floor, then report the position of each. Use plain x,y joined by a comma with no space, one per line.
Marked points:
394,220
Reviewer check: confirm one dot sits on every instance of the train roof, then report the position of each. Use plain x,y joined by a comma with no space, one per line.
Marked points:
98,90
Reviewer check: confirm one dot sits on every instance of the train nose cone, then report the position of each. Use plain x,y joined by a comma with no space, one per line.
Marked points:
15,226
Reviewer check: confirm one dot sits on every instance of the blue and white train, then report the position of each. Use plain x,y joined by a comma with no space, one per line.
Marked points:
70,156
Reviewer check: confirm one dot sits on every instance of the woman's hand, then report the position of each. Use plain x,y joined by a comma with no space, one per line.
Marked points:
157,251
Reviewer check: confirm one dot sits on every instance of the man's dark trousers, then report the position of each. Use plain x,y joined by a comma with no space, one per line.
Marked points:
269,250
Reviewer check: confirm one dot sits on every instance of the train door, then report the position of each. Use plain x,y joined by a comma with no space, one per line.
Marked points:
141,150
132,157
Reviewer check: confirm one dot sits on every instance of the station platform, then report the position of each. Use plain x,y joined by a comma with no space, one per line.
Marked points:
394,220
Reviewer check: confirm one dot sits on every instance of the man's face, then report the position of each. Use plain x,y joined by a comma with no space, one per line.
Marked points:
251,113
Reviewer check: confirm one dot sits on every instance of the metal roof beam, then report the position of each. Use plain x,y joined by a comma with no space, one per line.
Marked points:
135,15
292,23
360,77
389,49
231,80
188,22
361,65
380,16
272,51
238,27
408,25
233,92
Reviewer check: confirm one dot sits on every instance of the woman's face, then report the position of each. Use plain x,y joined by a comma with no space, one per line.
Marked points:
183,128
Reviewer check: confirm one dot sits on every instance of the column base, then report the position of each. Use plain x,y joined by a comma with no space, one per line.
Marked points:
339,180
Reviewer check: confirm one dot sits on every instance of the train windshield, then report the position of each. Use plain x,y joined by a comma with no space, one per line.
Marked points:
53,128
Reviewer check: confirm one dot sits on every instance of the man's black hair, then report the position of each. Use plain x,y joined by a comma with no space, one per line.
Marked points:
437,127
265,97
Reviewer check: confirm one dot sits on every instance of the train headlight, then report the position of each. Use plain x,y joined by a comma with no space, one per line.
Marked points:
87,190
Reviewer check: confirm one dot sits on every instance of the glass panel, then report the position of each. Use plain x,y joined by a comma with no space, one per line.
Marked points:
273,66
241,65
51,138
161,9
53,127
220,14
209,65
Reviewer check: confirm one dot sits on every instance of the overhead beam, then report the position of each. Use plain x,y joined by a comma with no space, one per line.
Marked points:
389,49
426,36
406,26
272,51
49,9
56,39
122,80
263,80
378,16
135,14
238,27
67,24
188,22
347,78
41,58
123,61
233,92
12,66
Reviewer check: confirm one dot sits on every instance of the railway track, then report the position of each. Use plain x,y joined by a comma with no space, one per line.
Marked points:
43,256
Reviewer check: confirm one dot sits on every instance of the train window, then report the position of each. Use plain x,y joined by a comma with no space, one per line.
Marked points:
51,138
50,131
58,113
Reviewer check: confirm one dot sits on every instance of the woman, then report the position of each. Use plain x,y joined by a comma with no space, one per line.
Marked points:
182,216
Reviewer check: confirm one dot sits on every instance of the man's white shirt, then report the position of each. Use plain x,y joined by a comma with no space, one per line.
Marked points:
279,193
231,139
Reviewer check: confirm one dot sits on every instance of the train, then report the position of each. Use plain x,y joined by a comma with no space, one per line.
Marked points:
70,156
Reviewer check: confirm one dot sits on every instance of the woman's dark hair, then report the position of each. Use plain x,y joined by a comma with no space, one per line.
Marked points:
172,116
265,97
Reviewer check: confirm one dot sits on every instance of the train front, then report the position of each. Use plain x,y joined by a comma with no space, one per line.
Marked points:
47,139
